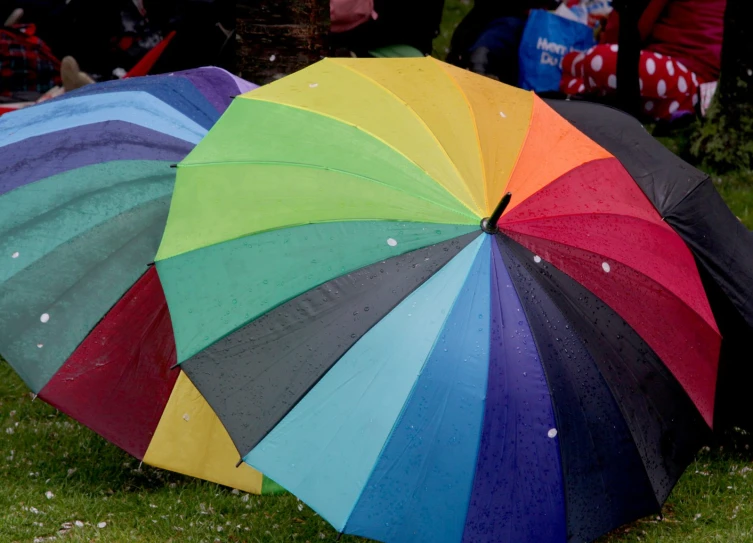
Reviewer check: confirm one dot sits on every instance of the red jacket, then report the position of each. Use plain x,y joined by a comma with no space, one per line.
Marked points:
690,31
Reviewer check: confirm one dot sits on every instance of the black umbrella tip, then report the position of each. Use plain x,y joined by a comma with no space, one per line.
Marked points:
489,227
239,463
489,224
173,165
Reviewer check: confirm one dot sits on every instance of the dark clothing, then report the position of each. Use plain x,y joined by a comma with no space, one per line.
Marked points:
495,52
482,16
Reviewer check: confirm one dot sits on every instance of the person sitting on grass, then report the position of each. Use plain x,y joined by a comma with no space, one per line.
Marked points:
682,44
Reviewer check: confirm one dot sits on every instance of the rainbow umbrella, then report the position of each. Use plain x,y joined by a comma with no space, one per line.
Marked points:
85,186
431,308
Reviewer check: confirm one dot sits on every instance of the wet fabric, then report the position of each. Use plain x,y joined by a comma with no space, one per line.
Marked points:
409,367
86,186
722,246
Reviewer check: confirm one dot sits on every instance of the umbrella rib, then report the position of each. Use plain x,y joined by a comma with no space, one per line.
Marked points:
423,123
100,190
505,259
653,281
82,278
371,134
659,223
664,371
325,168
470,236
157,260
580,405
484,179
415,382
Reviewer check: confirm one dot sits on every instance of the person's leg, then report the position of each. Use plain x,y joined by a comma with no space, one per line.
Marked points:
668,88
597,68
72,76
572,74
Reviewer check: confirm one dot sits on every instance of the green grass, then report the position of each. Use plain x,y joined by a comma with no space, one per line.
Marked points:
92,482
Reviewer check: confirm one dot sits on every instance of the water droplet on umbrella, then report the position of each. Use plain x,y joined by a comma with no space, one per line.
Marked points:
605,267
313,85
40,345
272,57
186,417
552,433
45,317
15,255
391,242
366,308
537,259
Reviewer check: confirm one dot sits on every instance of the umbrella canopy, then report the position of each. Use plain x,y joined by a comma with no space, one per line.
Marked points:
434,310
687,200
85,186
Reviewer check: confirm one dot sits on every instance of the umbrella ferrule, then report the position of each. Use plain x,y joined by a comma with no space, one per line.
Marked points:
489,224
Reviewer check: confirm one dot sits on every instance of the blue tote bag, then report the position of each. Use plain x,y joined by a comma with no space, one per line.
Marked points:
546,39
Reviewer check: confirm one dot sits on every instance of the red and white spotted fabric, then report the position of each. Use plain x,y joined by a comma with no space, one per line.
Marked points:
668,88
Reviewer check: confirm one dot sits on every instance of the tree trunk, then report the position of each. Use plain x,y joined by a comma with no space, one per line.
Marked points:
725,140
279,37
628,58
